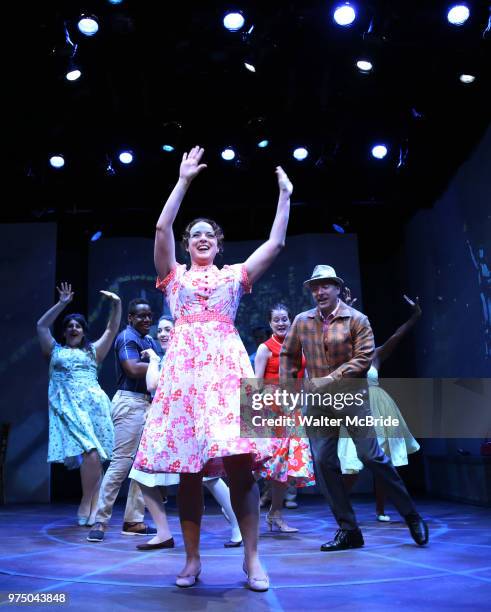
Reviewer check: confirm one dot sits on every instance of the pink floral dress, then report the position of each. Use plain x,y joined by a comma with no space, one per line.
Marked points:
194,419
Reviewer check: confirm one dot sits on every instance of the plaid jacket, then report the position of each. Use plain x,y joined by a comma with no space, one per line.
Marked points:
349,339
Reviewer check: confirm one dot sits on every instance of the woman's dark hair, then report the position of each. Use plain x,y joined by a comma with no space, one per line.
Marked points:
279,306
166,318
216,228
81,320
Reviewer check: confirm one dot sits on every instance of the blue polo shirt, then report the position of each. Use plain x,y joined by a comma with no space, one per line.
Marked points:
128,345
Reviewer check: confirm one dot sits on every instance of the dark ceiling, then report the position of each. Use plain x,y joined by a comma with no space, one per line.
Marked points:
169,72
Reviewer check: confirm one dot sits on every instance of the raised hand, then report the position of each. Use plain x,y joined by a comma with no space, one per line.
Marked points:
112,296
416,308
284,182
65,293
190,165
347,297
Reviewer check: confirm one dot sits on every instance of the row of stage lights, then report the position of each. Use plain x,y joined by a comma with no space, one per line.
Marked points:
126,157
344,15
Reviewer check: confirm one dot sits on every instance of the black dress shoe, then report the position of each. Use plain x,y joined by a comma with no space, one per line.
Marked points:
418,529
344,539
232,544
166,544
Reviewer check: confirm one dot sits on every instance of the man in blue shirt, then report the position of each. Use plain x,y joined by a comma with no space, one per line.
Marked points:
129,409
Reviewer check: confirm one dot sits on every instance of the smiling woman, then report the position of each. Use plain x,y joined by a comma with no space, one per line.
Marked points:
80,425
193,427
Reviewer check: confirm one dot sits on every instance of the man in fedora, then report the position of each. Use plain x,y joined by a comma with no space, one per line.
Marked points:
338,345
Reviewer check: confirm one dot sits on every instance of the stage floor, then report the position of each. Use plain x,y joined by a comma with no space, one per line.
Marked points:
43,550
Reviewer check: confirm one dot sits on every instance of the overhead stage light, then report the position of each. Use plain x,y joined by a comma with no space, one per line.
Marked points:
300,153
73,75
262,144
57,161
88,25
338,228
379,151
228,154
96,236
126,157
344,14
458,14
233,21
467,78
250,67
364,66
168,148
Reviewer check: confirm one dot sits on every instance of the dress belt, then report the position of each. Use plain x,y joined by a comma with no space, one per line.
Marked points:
204,317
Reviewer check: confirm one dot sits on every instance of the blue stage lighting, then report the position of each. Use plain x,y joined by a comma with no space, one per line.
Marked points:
344,14
88,25
338,228
57,161
458,14
126,157
262,144
228,154
96,236
379,151
300,153
233,21
168,148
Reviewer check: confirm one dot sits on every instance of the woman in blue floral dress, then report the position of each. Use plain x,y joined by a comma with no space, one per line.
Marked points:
80,425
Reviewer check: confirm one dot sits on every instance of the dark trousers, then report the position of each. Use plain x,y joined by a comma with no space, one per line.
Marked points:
324,443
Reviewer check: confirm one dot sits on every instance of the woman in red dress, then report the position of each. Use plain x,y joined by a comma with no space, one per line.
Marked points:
291,463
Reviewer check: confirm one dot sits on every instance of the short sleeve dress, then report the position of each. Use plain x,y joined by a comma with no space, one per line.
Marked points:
194,420
79,410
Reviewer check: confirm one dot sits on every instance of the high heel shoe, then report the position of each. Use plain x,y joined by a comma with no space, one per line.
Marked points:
187,581
256,584
276,519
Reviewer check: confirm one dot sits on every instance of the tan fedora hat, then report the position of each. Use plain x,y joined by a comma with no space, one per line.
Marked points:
322,272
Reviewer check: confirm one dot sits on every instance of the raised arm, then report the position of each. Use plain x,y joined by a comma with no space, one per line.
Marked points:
46,321
153,371
384,351
164,254
291,354
264,256
103,345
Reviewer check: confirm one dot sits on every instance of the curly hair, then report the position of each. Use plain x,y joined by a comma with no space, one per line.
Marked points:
216,228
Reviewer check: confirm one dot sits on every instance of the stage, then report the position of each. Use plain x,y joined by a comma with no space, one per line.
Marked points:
44,551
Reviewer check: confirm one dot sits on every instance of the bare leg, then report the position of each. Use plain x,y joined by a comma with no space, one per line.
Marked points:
190,502
244,494
155,504
274,517
90,475
221,493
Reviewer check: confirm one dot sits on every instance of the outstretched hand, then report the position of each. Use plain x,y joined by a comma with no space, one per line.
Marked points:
112,296
190,165
284,182
65,293
350,301
416,308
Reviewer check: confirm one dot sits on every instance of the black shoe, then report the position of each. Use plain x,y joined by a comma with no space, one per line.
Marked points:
418,529
140,529
232,544
165,544
344,539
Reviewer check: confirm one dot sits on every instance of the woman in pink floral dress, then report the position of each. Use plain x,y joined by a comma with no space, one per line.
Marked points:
193,426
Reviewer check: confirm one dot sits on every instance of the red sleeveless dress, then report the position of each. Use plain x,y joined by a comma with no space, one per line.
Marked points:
291,462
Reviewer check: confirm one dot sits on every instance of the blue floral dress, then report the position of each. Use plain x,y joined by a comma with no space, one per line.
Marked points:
79,410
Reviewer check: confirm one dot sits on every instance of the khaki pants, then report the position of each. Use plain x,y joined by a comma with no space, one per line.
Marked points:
128,415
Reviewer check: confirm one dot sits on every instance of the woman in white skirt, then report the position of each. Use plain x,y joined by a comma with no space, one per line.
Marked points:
150,483
396,443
